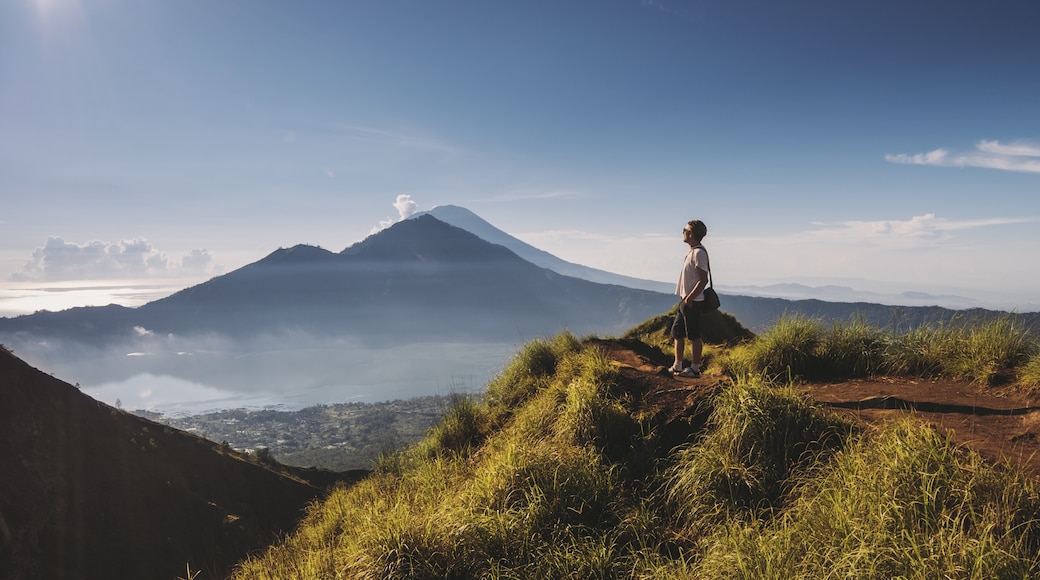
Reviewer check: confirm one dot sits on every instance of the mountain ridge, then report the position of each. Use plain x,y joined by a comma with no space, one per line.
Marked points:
467,220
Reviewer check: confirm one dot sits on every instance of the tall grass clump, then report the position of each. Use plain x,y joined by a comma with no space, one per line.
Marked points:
530,370
904,504
852,349
787,349
988,352
1029,374
922,351
991,351
757,437
464,426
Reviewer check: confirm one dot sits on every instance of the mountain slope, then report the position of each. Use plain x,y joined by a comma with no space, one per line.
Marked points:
89,491
471,222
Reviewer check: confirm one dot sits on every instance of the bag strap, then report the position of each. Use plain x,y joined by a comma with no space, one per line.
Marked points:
707,259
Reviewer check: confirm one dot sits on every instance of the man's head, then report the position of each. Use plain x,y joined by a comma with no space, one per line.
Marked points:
695,231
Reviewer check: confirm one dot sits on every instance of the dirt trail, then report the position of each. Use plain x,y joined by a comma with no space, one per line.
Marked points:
1001,424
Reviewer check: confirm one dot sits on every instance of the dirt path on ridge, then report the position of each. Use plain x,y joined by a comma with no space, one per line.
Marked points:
1001,424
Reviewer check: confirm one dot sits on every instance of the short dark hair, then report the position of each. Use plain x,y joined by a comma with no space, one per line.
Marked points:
698,229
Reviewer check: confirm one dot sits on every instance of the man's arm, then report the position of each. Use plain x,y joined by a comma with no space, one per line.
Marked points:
698,287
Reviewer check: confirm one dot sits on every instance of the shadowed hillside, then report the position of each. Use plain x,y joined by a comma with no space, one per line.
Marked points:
88,491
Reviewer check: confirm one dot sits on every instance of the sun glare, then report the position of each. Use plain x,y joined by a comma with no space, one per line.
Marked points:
50,11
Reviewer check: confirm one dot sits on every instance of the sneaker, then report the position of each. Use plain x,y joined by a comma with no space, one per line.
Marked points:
690,373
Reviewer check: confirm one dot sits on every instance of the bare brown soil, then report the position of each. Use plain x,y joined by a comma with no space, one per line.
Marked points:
1002,424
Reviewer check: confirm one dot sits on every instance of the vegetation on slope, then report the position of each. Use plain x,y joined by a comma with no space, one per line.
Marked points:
993,352
559,473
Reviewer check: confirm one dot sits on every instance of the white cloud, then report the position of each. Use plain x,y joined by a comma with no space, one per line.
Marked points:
406,207
937,157
1019,148
918,228
1019,156
59,260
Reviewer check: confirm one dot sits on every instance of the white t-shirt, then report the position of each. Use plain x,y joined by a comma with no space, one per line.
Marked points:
696,259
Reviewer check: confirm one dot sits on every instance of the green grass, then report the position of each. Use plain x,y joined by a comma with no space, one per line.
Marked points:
757,437
797,347
989,353
536,496
1029,374
559,472
903,503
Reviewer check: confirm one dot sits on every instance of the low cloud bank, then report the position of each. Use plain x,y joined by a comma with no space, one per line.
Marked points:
59,260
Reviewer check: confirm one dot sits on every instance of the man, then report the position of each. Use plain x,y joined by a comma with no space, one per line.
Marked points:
692,281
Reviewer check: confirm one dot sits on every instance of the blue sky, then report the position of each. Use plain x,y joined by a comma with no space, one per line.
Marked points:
887,146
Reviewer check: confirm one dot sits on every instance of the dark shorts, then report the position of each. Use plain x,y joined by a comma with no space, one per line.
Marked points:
687,323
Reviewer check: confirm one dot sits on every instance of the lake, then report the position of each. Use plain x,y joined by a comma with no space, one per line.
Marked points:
287,373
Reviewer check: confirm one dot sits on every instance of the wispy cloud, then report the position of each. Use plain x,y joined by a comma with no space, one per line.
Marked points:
917,229
533,194
59,260
1021,156
397,139
917,226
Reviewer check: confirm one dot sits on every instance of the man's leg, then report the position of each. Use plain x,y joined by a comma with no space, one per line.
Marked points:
693,327
679,336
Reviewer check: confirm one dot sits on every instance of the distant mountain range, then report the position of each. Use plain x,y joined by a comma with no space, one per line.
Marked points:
421,279
425,279
836,293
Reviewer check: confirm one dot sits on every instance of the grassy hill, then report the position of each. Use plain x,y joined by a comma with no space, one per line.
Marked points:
568,469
